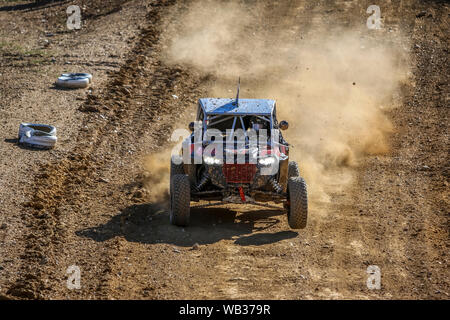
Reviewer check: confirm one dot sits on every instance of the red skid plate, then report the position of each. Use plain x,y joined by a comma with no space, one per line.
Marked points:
239,173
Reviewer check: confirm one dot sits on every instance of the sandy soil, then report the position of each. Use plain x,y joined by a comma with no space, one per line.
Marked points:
86,203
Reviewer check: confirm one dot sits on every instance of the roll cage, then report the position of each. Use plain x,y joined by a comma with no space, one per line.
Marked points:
227,114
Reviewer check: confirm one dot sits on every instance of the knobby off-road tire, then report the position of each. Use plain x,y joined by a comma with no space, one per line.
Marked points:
293,170
180,200
176,168
298,203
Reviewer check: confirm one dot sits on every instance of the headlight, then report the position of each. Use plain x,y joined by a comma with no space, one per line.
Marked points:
211,160
267,161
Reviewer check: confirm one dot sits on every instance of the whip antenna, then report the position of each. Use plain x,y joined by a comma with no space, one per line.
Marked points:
237,95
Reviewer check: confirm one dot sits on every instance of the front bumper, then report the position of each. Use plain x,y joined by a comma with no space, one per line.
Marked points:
235,175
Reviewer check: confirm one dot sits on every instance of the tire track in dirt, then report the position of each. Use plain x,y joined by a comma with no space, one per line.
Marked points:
28,97
67,184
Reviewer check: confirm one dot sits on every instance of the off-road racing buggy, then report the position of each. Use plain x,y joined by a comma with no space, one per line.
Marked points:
236,154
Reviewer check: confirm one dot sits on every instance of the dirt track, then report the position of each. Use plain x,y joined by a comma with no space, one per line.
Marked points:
85,203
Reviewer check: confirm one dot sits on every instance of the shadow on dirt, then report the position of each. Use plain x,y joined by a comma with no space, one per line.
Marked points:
55,87
12,141
149,224
22,146
34,5
265,238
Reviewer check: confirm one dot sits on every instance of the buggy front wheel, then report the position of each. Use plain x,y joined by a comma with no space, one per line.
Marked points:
297,203
180,200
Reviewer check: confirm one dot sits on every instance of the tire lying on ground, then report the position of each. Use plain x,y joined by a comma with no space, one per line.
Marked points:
72,82
298,203
40,136
180,200
77,75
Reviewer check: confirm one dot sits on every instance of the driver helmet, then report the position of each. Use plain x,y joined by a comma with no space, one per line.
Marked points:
257,123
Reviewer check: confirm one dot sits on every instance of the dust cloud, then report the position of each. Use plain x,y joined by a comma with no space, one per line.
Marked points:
157,177
333,85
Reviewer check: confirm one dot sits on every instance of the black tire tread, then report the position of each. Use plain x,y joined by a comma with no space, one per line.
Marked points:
293,170
180,200
298,208
175,168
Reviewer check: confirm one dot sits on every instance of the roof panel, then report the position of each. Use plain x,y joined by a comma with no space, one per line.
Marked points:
246,106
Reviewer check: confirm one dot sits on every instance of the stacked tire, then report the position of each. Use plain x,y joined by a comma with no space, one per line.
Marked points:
74,80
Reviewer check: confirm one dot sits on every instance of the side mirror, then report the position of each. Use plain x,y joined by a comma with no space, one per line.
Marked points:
284,125
191,126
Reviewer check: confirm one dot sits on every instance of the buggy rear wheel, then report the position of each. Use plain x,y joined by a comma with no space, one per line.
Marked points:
293,170
180,200
298,203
